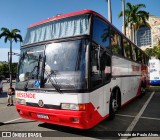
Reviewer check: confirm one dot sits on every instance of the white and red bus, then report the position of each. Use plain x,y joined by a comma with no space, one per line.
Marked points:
76,70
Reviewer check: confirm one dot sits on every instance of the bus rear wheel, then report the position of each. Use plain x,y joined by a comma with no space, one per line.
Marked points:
143,88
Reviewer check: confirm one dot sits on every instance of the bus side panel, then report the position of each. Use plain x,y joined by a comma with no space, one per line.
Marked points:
127,76
100,99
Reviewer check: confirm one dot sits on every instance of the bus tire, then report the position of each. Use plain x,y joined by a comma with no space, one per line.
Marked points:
111,110
143,89
115,103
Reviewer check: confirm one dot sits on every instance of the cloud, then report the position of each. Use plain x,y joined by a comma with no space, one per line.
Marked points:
4,54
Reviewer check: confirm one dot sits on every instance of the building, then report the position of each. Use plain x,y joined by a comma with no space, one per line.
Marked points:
147,36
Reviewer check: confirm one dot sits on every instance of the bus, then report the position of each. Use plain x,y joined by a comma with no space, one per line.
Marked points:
154,67
77,69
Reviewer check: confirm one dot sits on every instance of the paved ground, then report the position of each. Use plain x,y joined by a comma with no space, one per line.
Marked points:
141,117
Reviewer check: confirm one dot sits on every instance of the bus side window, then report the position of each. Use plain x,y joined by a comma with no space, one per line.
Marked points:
139,56
107,69
134,53
143,58
147,60
127,49
96,73
116,43
101,34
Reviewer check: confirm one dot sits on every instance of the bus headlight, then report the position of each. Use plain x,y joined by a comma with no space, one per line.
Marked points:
68,106
21,101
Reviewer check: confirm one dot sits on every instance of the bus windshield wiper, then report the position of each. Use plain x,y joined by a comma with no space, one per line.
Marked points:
54,83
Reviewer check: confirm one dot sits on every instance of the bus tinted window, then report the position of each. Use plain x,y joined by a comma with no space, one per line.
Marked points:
127,49
139,56
96,73
116,43
101,32
143,58
107,70
134,52
147,59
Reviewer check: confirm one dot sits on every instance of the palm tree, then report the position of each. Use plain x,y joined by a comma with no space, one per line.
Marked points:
11,36
134,17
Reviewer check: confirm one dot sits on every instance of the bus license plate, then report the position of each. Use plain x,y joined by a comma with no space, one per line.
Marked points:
42,116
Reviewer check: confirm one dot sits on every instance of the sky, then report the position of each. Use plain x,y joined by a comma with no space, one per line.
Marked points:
22,13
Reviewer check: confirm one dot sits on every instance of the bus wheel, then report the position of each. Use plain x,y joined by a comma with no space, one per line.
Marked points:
114,104
143,89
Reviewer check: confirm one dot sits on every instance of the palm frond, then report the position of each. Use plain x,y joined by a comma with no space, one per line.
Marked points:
15,31
3,29
15,39
12,35
6,39
19,37
120,14
140,6
129,5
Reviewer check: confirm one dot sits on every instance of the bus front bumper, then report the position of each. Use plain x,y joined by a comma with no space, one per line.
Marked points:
77,119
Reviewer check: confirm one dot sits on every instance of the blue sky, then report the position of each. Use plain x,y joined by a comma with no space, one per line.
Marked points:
21,13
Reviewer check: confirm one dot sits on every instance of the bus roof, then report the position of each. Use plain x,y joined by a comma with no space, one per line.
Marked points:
61,16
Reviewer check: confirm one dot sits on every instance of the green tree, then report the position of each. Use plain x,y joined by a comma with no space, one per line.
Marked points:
134,17
11,36
153,52
4,72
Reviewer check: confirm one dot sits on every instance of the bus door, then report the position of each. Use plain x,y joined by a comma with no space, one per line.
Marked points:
100,77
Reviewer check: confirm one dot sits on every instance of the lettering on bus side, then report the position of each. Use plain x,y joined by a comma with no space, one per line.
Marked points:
25,95
135,68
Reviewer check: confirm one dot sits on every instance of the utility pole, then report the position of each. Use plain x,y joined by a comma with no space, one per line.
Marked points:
123,12
109,11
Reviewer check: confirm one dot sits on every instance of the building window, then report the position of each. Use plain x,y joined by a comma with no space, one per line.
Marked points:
143,36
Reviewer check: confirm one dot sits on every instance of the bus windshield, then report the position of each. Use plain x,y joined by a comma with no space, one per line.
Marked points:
64,65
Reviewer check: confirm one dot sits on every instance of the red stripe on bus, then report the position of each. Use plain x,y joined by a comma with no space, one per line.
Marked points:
86,119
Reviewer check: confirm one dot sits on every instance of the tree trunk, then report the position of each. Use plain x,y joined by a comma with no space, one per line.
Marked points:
131,34
136,37
10,64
